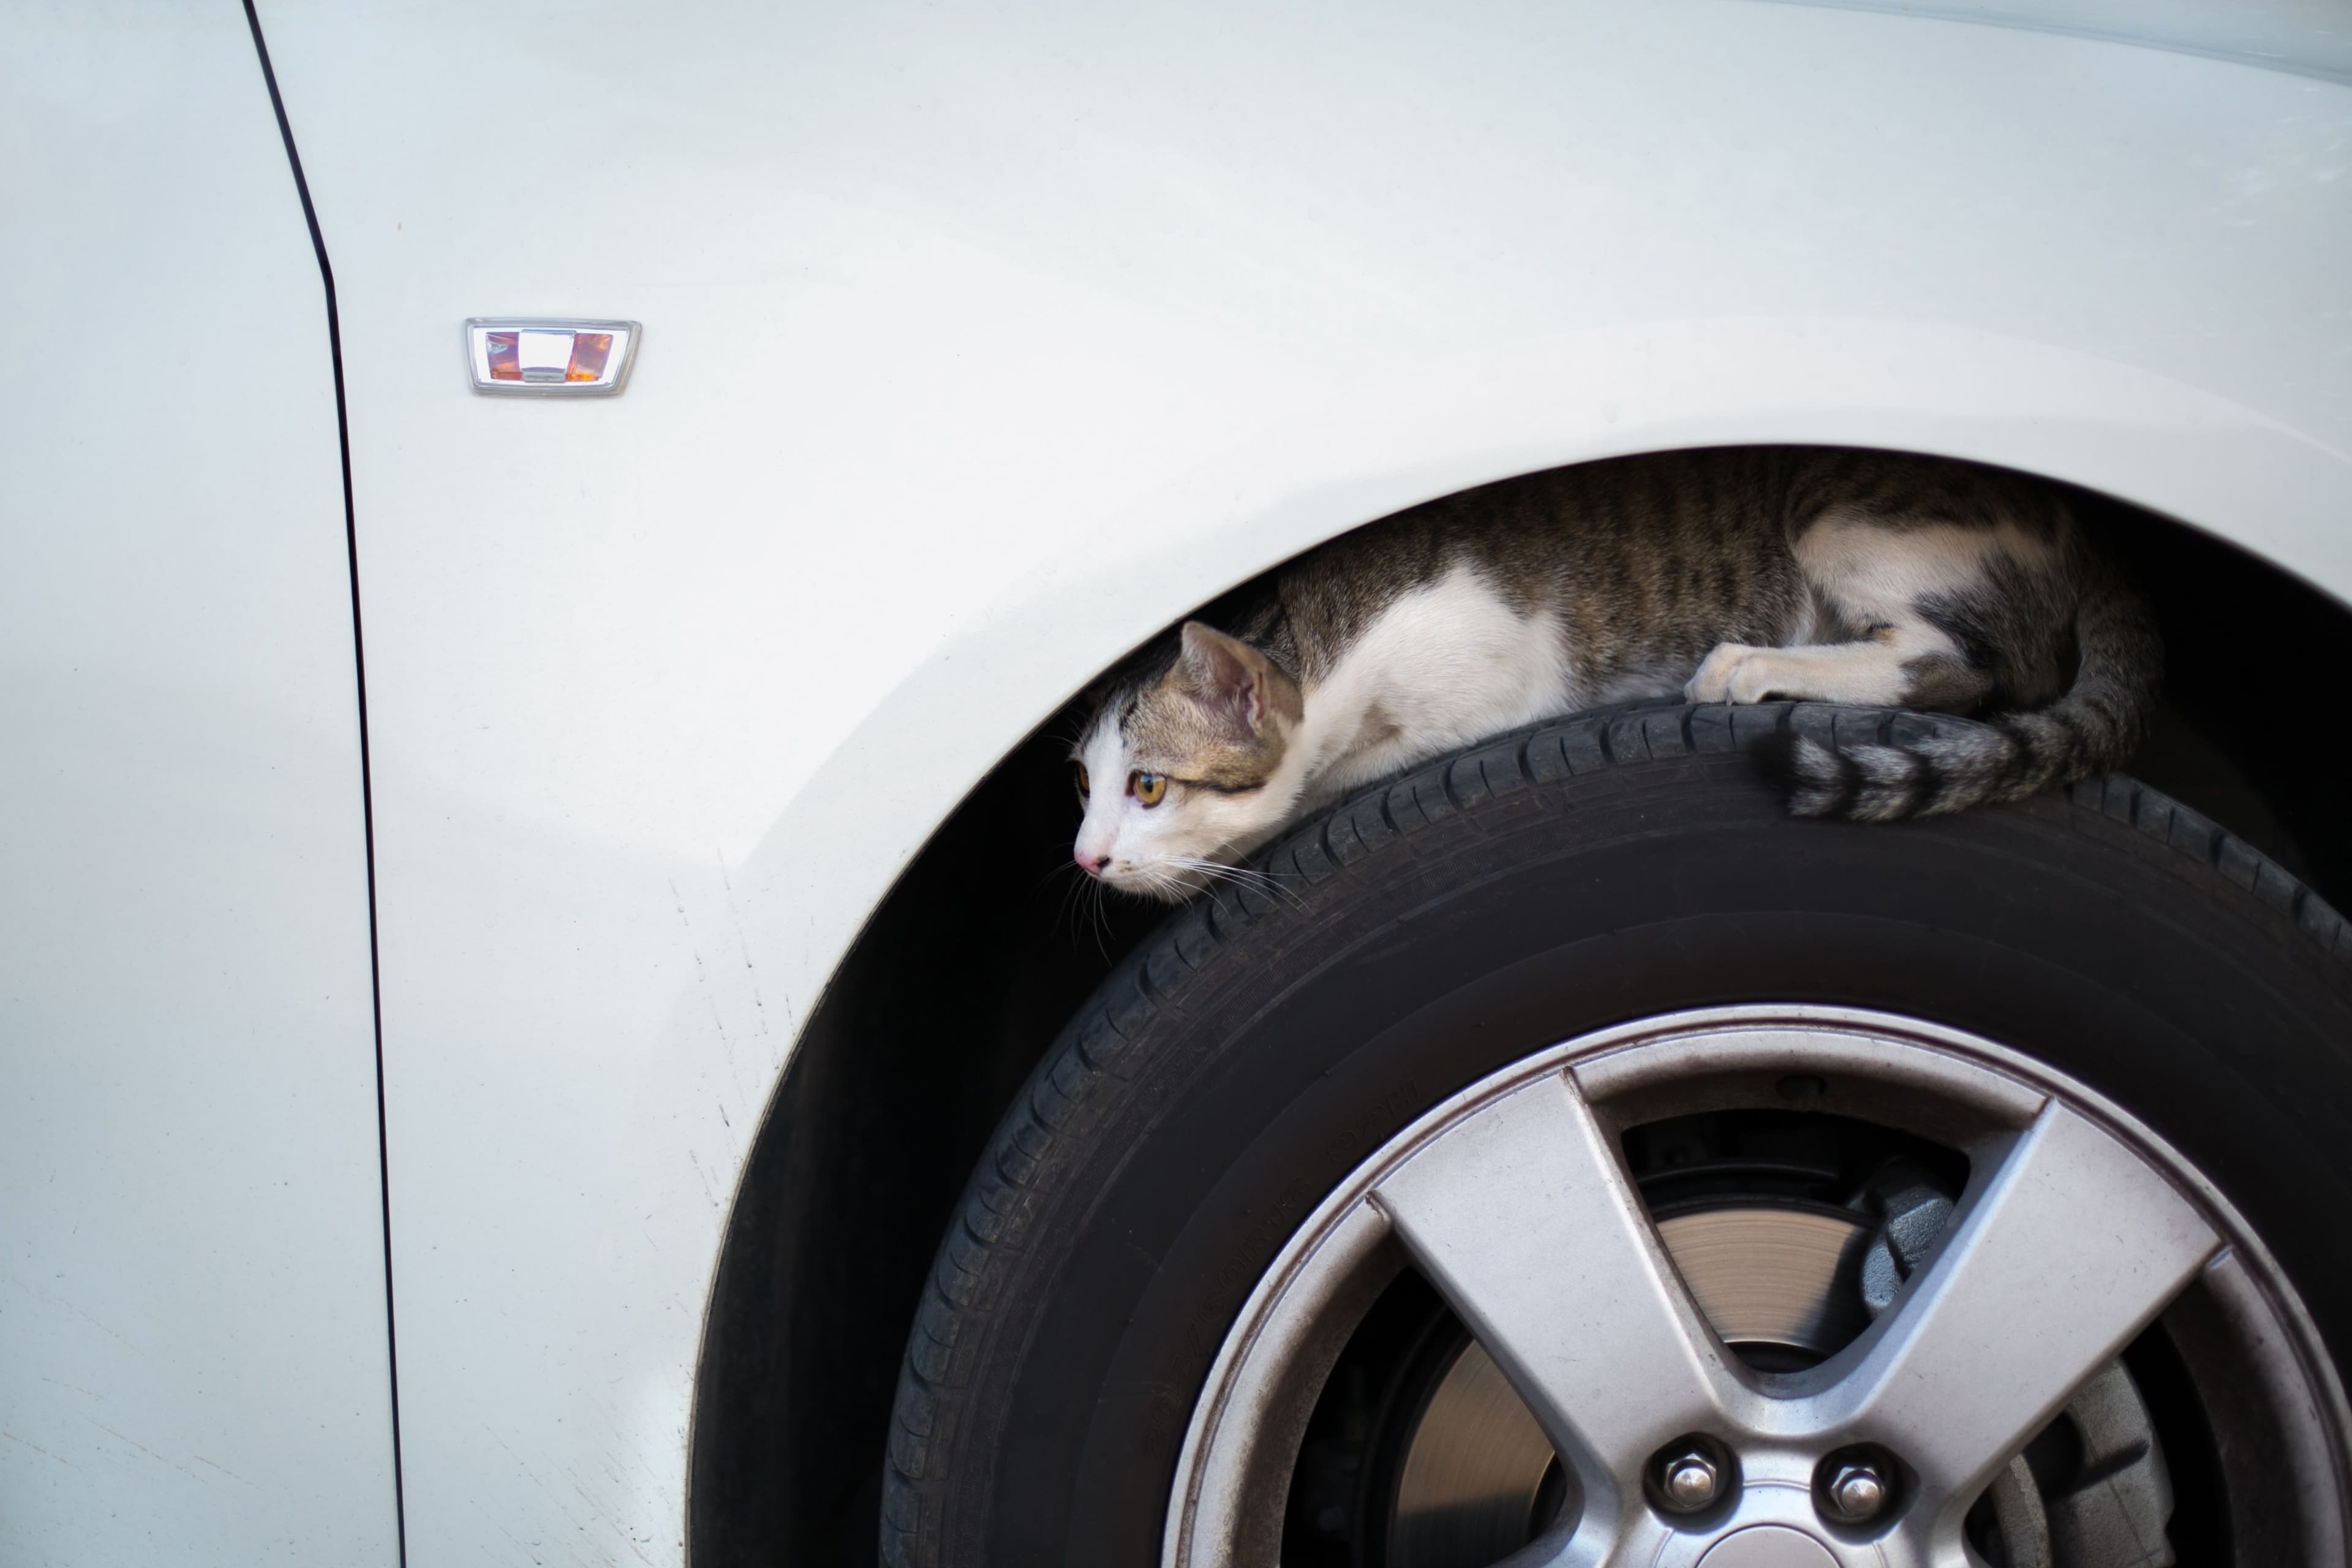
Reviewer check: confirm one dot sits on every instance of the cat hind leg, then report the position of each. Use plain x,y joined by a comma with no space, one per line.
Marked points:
1887,669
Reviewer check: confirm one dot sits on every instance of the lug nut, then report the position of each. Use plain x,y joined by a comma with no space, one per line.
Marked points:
1857,1491
1690,1480
1691,1475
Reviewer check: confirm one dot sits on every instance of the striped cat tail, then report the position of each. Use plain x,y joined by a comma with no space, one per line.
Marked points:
1927,764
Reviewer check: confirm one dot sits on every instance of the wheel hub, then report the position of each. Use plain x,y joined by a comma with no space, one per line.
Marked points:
1768,1546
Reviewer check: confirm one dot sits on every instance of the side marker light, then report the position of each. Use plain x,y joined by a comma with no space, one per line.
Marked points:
564,359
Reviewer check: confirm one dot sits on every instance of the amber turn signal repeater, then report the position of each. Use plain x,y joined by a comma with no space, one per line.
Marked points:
550,358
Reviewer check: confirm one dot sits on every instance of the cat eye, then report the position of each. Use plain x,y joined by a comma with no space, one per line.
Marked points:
1147,787
1086,784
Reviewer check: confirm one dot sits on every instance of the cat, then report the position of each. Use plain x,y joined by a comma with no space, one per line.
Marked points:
1727,575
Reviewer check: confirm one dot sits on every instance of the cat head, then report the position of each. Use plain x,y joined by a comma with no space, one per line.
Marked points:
1182,771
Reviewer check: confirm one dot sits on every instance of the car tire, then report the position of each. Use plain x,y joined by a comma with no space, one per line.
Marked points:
1430,931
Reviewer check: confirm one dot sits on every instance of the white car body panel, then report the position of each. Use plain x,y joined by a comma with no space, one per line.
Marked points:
192,1357
979,345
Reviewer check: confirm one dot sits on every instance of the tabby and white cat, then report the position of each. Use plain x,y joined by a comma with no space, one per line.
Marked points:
1733,575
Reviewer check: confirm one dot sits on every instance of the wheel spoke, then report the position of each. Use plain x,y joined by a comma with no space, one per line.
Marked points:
1524,1219
2072,1247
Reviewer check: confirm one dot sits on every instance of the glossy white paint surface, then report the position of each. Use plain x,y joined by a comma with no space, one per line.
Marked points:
191,1307
979,345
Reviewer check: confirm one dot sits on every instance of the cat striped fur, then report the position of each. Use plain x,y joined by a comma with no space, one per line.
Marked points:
1734,574
2091,729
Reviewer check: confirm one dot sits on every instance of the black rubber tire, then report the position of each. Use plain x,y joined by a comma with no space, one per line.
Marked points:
1601,868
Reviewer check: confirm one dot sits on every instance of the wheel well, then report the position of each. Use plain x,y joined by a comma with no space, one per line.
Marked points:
988,942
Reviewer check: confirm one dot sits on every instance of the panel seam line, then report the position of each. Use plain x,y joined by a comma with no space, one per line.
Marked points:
367,792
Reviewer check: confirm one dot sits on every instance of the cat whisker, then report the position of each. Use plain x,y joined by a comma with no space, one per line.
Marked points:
1239,875
1101,925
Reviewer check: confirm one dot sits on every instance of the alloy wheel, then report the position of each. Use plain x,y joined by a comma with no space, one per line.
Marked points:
1715,1366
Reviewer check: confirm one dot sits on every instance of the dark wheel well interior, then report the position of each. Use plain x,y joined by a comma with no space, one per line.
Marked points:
966,972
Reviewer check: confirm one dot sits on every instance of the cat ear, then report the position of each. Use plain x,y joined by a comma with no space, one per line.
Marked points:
1239,687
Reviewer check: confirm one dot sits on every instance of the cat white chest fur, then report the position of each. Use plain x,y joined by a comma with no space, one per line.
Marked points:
1439,668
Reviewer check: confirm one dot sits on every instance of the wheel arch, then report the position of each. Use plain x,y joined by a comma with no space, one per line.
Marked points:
965,966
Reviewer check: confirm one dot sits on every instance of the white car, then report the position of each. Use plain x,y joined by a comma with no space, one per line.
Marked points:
542,1013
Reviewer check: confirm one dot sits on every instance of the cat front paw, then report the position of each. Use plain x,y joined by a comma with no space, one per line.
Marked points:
1735,672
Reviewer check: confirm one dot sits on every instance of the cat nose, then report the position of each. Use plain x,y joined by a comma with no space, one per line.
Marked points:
1092,865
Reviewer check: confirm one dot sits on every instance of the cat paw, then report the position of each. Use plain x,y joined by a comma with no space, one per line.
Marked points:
1735,672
